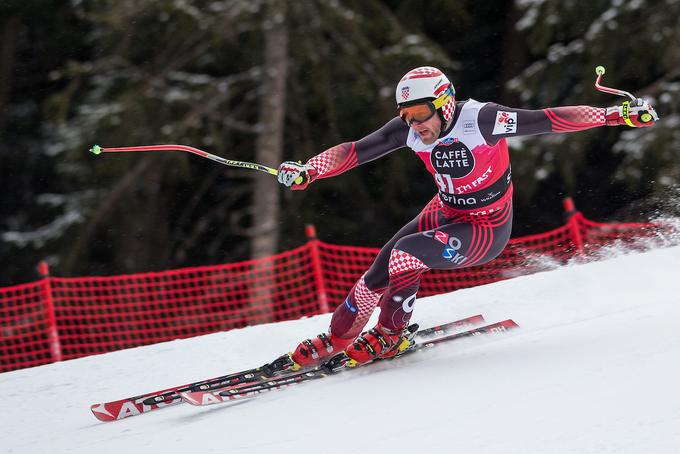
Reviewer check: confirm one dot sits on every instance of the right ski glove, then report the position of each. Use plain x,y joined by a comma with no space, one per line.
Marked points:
296,175
634,114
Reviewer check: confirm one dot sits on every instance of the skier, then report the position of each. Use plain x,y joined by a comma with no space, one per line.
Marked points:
467,223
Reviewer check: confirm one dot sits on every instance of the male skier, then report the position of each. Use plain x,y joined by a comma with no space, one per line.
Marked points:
467,223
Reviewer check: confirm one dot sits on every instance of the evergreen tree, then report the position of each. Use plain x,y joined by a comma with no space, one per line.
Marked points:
173,72
616,172
130,72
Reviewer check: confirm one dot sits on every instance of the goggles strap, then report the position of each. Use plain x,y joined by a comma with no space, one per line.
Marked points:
443,99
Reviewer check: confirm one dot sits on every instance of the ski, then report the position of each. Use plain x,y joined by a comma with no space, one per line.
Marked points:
283,364
144,403
156,400
335,365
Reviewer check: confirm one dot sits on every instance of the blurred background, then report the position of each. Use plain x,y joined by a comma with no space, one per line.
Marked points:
276,80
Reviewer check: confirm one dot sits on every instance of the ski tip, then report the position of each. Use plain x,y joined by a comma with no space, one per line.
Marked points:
479,318
101,413
506,324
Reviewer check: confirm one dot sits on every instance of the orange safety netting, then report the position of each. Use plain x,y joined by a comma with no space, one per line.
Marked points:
63,318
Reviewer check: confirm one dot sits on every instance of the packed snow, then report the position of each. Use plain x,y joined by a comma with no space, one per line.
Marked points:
593,368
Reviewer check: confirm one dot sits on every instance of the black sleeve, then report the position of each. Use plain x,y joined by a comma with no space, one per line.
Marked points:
497,121
390,137
347,155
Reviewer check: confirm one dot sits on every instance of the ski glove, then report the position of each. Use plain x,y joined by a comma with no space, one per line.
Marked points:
296,175
632,113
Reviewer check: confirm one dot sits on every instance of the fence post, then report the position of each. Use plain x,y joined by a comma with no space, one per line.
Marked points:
52,332
313,242
572,216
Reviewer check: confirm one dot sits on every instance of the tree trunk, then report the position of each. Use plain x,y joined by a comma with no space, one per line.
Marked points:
269,151
514,52
269,145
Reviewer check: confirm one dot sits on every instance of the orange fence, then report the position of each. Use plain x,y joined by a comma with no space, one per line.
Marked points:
58,318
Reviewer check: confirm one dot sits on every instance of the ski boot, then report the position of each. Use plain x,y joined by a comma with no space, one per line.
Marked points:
380,343
312,352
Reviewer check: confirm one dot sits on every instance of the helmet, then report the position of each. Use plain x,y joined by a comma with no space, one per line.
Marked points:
427,84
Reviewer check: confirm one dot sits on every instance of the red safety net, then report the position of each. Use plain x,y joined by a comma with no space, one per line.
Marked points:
62,318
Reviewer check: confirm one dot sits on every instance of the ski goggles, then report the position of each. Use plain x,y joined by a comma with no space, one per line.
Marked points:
417,112
422,111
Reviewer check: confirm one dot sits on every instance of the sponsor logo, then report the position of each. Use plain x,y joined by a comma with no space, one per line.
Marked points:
440,236
454,159
453,256
483,212
128,408
491,196
506,123
447,141
469,127
352,309
447,186
451,246
406,304
451,240
405,93
451,252
452,199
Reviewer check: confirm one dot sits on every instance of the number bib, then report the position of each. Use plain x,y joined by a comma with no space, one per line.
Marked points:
469,173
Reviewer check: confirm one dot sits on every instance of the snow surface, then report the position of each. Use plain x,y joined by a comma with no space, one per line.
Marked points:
594,368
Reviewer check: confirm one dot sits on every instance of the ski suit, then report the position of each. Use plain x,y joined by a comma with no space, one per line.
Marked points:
467,223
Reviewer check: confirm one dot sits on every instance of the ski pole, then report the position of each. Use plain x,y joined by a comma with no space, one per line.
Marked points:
614,91
96,149
644,116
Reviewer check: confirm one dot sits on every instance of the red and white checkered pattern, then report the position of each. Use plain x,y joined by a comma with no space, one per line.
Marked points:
575,118
364,298
448,109
334,161
405,93
365,301
423,71
588,115
401,261
327,160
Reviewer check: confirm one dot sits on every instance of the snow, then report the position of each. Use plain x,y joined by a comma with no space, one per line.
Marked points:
593,369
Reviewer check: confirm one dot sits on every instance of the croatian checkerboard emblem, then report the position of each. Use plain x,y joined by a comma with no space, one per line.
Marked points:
405,93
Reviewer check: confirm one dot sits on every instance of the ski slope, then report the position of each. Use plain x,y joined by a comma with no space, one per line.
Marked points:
594,368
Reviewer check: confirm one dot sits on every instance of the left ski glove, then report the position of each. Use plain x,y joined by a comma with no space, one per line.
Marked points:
634,114
296,175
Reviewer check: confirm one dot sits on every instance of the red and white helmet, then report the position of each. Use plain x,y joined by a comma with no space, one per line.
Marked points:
427,84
